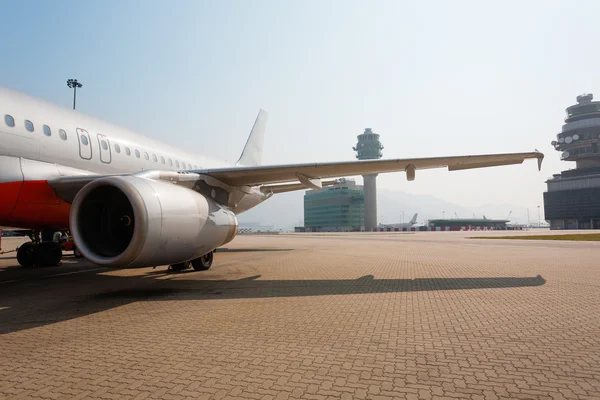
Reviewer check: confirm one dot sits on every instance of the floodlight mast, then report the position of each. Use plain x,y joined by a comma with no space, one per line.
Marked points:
73,84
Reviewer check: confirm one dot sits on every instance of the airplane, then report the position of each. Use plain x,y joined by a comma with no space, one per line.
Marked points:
131,201
408,224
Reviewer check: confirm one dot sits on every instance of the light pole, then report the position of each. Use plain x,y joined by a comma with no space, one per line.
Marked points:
539,221
73,84
443,216
402,216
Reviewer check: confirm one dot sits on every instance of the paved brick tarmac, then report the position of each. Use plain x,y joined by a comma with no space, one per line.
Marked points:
410,316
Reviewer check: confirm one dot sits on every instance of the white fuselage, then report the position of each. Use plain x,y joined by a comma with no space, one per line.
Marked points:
17,141
40,141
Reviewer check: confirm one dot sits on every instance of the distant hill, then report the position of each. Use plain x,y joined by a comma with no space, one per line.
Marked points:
285,211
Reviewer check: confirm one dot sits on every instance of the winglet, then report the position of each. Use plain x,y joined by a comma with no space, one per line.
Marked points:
540,158
252,153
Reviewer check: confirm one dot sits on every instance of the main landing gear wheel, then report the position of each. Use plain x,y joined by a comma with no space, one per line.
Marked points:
180,266
77,252
46,254
203,263
25,255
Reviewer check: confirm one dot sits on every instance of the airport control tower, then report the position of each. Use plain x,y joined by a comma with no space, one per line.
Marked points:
369,148
573,197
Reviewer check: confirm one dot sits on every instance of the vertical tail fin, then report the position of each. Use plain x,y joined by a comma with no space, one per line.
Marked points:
414,218
252,153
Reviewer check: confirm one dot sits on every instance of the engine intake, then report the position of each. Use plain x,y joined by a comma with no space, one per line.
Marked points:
133,221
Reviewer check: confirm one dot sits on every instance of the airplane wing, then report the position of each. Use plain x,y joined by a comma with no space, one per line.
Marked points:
310,174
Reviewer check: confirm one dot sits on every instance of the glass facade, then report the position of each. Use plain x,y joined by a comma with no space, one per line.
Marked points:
579,204
338,208
573,197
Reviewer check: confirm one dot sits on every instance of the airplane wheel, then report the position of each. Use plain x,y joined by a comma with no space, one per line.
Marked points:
25,254
48,254
180,266
77,252
203,263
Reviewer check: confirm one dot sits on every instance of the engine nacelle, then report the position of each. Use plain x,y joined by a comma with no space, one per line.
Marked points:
132,221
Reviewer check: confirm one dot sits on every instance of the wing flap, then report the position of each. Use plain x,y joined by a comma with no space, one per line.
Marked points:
290,187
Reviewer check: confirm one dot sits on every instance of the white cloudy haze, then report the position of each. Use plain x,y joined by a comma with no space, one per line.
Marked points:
433,78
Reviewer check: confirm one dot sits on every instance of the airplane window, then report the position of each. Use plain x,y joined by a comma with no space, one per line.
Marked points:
10,121
127,151
154,158
177,163
137,153
29,125
84,140
170,162
117,148
62,134
47,130
146,155
104,145
162,159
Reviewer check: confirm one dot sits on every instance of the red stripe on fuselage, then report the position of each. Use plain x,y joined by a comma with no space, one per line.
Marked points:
32,205
9,194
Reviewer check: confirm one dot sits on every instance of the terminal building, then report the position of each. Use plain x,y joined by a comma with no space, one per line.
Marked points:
335,208
463,224
572,200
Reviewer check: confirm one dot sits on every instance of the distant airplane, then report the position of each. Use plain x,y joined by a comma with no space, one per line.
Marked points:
408,224
132,201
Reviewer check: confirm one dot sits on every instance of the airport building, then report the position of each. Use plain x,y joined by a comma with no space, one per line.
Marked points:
335,208
475,224
572,200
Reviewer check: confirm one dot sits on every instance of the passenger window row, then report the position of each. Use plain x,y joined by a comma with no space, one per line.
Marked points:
155,158
10,122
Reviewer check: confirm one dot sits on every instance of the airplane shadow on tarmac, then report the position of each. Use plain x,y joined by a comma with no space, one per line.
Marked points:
78,295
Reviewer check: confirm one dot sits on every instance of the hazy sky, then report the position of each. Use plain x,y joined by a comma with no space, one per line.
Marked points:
433,78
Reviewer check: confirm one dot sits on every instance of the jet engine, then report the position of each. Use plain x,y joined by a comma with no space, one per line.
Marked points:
130,221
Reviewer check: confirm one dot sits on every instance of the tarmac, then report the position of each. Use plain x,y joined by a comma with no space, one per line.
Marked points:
426,315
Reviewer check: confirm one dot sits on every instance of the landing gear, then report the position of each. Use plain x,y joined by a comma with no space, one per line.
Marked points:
25,255
38,252
180,266
203,263
46,254
77,252
199,264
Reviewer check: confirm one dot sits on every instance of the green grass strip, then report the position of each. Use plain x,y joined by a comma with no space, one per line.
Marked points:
580,237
